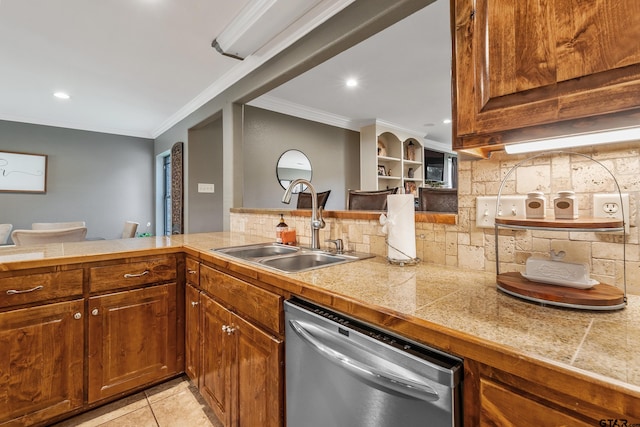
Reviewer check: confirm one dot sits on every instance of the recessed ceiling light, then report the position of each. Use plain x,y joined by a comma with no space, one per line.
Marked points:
61,95
446,121
352,82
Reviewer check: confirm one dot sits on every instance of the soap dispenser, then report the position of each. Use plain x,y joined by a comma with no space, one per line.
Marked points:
280,229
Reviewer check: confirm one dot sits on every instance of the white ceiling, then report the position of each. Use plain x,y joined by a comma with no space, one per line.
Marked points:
136,67
404,74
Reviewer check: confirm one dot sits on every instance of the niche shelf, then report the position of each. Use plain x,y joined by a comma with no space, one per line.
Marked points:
386,159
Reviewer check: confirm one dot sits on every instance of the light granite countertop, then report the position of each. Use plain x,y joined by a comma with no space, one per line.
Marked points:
603,345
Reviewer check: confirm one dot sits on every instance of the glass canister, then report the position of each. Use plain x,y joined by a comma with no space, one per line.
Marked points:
565,206
536,205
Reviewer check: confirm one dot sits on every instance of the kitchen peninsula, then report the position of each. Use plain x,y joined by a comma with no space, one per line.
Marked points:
525,364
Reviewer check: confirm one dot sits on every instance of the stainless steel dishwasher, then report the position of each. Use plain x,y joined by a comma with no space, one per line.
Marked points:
344,373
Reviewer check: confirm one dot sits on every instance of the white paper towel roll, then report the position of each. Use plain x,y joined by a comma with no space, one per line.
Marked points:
401,227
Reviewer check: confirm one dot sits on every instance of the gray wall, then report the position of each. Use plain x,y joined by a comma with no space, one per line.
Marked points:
205,166
98,178
334,154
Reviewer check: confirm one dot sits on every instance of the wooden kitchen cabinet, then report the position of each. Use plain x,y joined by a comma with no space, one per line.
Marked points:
217,354
494,397
131,339
131,273
532,69
192,351
41,362
241,363
241,369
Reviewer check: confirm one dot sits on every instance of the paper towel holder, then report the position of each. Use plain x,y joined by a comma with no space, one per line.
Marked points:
401,262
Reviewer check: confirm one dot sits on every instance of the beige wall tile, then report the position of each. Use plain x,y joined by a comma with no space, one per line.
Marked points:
465,246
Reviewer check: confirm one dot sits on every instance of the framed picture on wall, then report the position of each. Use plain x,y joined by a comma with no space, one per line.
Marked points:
23,172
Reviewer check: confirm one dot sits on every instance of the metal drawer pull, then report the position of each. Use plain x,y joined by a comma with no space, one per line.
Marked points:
77,316
194,303
14,291
129,276
228,329
191,271
94,312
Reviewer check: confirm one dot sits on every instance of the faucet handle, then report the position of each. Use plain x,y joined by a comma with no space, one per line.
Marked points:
338,243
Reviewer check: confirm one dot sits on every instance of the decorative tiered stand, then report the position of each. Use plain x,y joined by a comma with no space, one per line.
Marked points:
602,296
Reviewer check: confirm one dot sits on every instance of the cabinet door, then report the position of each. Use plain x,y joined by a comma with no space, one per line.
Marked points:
132,339
501,405
258,381
493,397
192,333
217,353
41,362
527,69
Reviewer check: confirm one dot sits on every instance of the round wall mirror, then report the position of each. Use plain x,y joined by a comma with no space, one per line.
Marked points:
293,164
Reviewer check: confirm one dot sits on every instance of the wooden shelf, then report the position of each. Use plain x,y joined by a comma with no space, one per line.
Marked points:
388,159
589,224
599,297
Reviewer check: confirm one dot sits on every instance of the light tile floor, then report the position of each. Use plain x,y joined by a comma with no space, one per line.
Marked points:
174,403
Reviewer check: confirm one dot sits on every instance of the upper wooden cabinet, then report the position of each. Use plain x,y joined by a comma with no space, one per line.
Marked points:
532,69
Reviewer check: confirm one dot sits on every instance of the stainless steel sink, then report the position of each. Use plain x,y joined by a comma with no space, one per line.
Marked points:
289,259
258,251
303,261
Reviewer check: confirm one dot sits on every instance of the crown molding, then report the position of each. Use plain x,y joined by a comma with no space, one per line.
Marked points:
279,105
77,126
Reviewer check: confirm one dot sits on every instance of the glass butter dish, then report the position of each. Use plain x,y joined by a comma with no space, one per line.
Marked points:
554,271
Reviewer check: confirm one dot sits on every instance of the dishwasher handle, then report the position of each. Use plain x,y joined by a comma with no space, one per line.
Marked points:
386,379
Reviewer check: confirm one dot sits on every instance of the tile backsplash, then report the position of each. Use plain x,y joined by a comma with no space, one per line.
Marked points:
467,247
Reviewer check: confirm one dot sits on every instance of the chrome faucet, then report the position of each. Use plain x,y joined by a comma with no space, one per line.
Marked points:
316,211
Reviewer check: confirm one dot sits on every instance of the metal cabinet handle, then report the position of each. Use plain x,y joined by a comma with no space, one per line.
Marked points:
77,316
191,271
94,312
228,329
130,275
194,303
15,291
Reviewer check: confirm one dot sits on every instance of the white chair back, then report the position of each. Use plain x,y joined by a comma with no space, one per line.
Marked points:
57,225
39,237
5,231
130,229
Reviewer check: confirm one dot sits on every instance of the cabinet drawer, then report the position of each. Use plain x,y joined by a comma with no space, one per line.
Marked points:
258,304
193,271
125,275
30,288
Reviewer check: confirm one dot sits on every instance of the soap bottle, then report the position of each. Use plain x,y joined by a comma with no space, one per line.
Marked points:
280,229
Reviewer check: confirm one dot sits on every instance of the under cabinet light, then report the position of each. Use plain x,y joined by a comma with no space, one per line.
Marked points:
578,140
258,23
